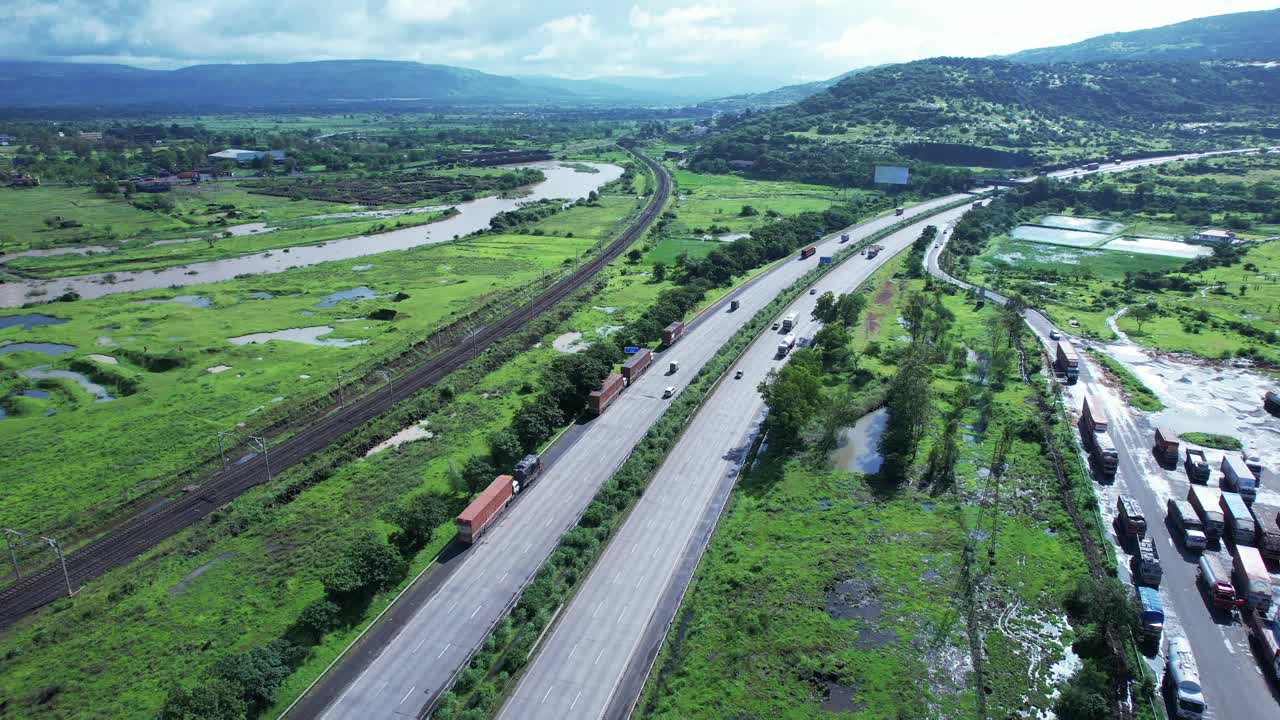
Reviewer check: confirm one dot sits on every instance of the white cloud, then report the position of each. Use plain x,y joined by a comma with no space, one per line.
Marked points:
423,11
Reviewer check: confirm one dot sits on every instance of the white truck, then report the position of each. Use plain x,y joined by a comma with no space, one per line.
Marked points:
787,344
788,323
1184,518
1237,477
1182,677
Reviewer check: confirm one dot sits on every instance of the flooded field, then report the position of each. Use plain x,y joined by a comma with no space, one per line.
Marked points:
29,320
1154,246
41,372
1069,222
39,347
306,336
1058,236
561,182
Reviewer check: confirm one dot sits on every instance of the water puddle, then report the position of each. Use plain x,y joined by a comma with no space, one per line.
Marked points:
36,394
195,301
104,359
186,580
217,369
39,347
29,320
40,372
356,294
570,342
307,336
51,252
259,295
562,183
857,447
853,599
362,268
840,698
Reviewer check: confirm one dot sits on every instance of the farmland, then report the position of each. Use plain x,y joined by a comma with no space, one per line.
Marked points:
828,591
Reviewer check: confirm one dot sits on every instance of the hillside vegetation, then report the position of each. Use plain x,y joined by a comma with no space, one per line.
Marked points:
1242,36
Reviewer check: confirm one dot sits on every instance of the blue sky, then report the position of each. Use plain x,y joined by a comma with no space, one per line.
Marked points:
768,42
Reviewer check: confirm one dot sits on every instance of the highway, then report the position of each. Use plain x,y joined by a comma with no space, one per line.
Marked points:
431,643
1231,676
589,655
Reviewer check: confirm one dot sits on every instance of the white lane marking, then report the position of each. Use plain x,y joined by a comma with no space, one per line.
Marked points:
1227,641
482,574
597,610
545,695
640,581
597,662
415,647
451,607
575,700
406,695
445,650
649,524
526,548
624,612
635,547
574,650
615,577
473,612
383,686
340,699
548,523
504,576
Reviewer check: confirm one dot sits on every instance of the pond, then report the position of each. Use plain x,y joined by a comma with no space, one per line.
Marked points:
40,347
561,182
1057,236
40,372
195,301
1082,223
1153,246
857,447
307,336
29,320
358,294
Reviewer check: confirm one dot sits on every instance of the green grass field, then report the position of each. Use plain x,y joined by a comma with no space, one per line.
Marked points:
823,594
707,201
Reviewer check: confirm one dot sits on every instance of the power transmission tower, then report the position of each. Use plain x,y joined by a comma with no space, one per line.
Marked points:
63,560
9,535
261,444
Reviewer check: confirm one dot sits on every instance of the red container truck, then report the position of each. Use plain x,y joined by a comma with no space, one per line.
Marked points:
672,333
599,400
1253,581
1167,443
1268,537
807,253
635,367
485,509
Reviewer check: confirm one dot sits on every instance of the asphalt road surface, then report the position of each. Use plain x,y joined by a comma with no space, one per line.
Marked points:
435,642
587,656
1231,676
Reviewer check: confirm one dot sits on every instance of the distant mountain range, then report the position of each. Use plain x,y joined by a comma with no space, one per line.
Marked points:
1238,36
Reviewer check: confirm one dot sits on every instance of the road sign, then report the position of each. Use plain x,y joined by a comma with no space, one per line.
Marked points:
824,260
630,350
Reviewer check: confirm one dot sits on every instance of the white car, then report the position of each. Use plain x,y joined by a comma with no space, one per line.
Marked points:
1055,335
668,393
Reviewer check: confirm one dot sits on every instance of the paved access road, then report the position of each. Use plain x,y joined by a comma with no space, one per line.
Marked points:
635,587
436,641
1232,678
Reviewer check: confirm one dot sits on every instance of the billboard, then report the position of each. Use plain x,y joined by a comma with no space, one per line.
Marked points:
891,175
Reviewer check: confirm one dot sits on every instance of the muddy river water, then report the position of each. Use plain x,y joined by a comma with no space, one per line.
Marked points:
561,182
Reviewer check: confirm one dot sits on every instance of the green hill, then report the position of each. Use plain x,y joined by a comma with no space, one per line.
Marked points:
1238,36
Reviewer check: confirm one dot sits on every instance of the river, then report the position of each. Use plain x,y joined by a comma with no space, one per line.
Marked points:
561,182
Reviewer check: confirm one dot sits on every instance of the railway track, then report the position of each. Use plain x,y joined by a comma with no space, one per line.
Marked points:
146,530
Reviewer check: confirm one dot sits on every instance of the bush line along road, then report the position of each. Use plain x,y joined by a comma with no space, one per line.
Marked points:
1234,686
411,670
144,531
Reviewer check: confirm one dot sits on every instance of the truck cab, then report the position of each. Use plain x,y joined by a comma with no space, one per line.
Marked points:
1182,678
1216,579
1196,465
1146,564
1184,517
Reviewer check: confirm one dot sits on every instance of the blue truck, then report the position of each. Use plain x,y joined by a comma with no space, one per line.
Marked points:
1152,612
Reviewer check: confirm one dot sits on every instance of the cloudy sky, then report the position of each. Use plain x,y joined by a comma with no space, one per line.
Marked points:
766,41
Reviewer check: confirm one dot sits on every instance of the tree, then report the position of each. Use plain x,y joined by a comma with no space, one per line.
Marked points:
504,448
366,566
535,421
908,408
260,671
417,519
748,211
477,472
659,272
825,307
793,395
849,308
1141,315
209,700
634,256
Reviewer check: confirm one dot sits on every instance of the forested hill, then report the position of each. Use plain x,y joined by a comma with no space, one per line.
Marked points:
309,84
998,113
1238,36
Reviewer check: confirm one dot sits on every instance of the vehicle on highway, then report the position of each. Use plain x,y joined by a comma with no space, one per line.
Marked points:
1152,612
1206,502
808,252
668,392
734,305
526,471
844,237
1216,578
1146,564
633,368
897,211
1252,580
1238,522
1237,477
672,367
1055,335
777,325
737,375
788,322
1067,361
813,291
1166,445
1129,516
1184,518
1268,527
485,509
1197,465
1182,679
672,333
599,400
1264,633
788,343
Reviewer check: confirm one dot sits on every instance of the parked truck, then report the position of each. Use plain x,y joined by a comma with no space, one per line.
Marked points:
599,400
633,368
1216,579
525,472
1166,447
1264,632
1252,580
1104,454
1184,518
672,333
1197,466
1092,418
1067,361
788,322
808,252
1237,520
1206,501
786,345
1152,614
1254,463
1129,516
1182,678
1237,477
1271,402
1146,564
1268,528
485,509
